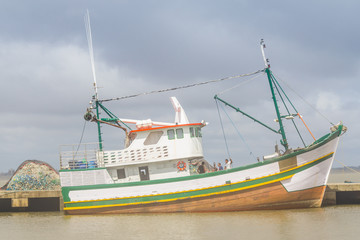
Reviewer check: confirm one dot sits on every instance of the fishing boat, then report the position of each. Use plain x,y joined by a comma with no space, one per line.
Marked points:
157,170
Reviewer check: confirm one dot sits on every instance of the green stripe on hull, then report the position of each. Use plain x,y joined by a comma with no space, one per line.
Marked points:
232,187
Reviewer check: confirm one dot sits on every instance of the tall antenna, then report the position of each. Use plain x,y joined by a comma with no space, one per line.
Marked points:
266,61
91,51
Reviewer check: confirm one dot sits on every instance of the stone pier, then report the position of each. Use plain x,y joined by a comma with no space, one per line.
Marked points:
30,201
342,193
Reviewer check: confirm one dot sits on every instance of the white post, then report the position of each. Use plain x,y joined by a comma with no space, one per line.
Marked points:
266,61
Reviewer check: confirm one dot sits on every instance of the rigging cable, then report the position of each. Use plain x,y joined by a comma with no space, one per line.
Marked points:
242,138
316,110
241,83
82,135
276,84
343,164
182,87
222,127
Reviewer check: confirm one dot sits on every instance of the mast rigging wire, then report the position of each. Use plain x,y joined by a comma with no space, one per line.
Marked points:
82,135
222,127
238,132
240,84
182,87
314,108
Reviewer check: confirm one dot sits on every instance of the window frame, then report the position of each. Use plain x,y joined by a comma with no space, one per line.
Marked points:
177,134
192,132
153,138
198,132
173,134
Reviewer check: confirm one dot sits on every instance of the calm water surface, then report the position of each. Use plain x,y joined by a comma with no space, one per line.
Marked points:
339,222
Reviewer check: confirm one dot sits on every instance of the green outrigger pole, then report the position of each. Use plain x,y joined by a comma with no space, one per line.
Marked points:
245,114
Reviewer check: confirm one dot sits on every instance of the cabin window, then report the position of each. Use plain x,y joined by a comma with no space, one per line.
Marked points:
198,132
171,134
179,133
121,173
153,138
192,133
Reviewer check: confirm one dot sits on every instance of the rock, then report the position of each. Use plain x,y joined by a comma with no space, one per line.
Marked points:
34,175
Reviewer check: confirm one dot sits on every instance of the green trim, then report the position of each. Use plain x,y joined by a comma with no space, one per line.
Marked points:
226,188
109,119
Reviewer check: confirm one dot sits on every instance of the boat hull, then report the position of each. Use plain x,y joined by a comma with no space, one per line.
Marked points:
263,198
297,180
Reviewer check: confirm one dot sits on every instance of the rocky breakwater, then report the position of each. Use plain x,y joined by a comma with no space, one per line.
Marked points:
33,175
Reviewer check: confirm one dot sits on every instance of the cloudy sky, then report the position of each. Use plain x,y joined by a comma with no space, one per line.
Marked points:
46,78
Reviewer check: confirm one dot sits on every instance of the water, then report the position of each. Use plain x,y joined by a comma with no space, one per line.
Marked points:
338,222
335,222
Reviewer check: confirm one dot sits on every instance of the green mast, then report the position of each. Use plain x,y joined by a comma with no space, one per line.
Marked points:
98,125
268,72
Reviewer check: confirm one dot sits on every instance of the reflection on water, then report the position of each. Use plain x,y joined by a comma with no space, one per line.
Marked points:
339,222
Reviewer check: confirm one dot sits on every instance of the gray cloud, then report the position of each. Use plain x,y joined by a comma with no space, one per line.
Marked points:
147,45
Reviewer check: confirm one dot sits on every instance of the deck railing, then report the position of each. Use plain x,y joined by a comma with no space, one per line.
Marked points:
135,155
83,156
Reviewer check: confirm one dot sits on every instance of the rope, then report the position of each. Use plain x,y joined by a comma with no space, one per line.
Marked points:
222,127
347,166
182,87
242,83
343,164
82,135
316,110
277,86
242,138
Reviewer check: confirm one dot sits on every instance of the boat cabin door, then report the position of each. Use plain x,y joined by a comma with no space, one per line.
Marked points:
144,173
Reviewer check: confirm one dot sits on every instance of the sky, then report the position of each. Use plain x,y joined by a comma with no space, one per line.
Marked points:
139,46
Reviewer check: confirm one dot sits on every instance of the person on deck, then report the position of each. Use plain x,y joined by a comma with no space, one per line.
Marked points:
201,168
220,167
228,164
215,168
